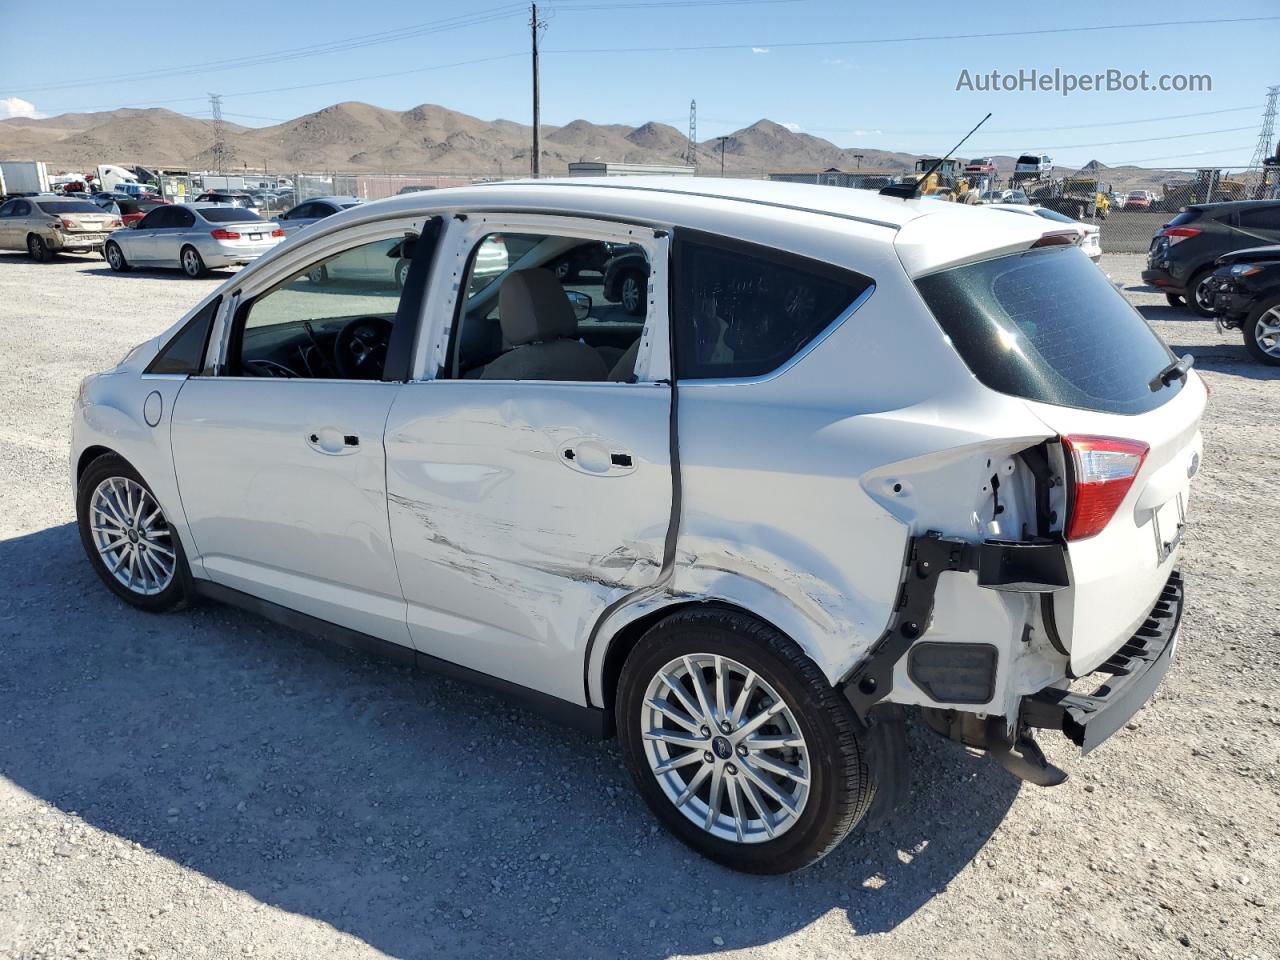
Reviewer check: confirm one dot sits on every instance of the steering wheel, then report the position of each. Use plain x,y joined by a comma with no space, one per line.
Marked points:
360,350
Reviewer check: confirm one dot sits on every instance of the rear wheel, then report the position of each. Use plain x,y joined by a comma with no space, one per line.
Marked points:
739,744
402,273
318,275
128,539
192,263
115,257
38,249
631,293
1262,332
1199,296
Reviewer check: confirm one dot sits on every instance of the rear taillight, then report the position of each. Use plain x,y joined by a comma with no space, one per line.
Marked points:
1178,234
116,223
277,232
221,234
1102,469
1059,238
67,224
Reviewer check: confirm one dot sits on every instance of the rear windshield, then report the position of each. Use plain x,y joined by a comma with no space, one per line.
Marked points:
1186,216
348,206
1047,325
228,215
59,207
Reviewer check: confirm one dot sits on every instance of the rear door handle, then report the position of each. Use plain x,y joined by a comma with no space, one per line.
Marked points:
332,442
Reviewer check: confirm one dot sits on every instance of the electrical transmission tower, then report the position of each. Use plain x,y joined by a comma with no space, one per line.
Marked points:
1266,142
693,134
219,132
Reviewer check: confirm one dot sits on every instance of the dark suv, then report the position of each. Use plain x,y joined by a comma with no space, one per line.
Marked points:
1246,297
1181,257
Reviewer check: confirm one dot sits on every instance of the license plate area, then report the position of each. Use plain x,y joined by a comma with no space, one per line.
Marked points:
255,236
1168,523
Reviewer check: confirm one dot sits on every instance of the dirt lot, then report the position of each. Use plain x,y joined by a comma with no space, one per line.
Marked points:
208,785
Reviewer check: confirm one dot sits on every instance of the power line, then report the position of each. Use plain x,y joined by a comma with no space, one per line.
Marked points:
1263,150
332,46
911,39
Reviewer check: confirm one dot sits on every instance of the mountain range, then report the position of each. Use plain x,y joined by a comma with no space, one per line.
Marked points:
361,138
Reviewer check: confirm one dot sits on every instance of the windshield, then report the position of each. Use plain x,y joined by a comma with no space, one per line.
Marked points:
59,207
229,215
1046,325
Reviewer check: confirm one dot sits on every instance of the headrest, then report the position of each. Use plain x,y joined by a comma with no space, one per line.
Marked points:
532,306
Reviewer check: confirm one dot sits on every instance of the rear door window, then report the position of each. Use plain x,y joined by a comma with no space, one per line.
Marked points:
1046,325
743,310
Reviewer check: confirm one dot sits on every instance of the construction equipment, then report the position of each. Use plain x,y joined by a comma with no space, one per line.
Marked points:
1209,186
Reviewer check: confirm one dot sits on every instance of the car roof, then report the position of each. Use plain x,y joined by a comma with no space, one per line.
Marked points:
332,199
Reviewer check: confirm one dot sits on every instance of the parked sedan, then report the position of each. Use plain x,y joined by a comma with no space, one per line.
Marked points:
880,403
193,239
46,225
305,214
1246,296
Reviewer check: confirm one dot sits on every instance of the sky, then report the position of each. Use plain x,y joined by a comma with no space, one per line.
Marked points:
861,75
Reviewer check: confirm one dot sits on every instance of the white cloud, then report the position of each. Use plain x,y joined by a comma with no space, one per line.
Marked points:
793,127
759,49
17,107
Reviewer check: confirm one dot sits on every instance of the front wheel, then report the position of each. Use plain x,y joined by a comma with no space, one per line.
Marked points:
127,538
192,263
1262,332
1200,296
739,744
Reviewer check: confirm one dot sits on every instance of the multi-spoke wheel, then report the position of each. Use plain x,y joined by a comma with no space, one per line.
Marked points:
632,293
1262,332
128,540
739,744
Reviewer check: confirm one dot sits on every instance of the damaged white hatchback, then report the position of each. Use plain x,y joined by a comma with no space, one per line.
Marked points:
852,455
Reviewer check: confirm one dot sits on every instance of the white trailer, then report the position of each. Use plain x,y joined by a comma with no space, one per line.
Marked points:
24,176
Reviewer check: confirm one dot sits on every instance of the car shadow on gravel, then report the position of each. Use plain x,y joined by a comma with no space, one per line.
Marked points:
153,273
417,814
1228,357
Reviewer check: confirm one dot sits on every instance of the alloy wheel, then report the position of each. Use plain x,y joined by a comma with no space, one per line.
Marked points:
630,293
725,748
190,262
1204,295
113,256
1266,332
132,536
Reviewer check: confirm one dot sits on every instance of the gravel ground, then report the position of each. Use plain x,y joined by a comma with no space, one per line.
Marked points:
206,784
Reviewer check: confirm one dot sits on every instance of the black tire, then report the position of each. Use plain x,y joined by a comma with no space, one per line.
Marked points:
179,590
1174,300
115,257
1250,330
402,273
192,263
1195,296
635,306
37,249
566,270
840,789
318,275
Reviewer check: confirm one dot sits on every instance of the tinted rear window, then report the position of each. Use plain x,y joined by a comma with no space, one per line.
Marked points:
1046,325
348,206
1186,216
229,215
59,207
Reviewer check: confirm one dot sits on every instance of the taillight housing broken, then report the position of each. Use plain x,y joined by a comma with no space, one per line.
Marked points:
1102,471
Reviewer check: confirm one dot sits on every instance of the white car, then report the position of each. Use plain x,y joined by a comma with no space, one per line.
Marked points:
1032,163
860,455
1087,233
192,237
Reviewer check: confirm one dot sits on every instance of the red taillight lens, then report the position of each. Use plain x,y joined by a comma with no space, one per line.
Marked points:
68,224
221,234
277,232
116,223
1178,234
1059,238
1103,469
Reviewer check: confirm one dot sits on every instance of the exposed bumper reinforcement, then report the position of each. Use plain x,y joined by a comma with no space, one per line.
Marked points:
1135,670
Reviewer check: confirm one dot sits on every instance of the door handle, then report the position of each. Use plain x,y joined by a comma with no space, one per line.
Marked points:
593,457
333,442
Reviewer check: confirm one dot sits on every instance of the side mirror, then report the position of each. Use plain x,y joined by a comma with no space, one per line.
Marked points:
581,304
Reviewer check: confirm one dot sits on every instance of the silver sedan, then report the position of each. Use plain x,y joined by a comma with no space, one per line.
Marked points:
193,238
309,211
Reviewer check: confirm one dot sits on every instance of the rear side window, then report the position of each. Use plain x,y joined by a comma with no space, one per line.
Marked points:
742,310
1261,218
1186,216
184,353
1046,325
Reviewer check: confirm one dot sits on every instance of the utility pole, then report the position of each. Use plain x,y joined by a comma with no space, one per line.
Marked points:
1253,177
219,142
722,140
693,136
535,25
858,157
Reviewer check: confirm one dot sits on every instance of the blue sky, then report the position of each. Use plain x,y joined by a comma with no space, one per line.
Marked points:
780,60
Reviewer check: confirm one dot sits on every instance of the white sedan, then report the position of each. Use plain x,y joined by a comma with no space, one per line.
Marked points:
717,530
193,238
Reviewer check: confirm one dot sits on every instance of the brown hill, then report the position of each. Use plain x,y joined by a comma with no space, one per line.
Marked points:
359,137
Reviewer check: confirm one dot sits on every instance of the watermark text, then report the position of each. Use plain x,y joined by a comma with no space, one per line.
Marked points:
1066,83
